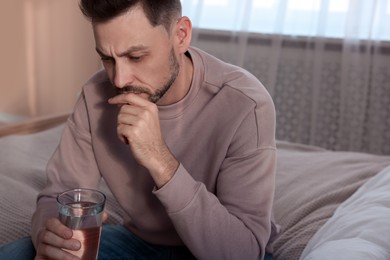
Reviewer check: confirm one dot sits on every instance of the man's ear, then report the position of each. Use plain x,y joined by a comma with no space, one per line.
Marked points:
183,34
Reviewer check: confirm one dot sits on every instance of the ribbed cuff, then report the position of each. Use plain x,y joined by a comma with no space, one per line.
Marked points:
178,193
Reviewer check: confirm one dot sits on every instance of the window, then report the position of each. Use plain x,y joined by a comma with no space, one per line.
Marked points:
328,18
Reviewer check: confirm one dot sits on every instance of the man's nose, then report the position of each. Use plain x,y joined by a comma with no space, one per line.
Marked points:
123,76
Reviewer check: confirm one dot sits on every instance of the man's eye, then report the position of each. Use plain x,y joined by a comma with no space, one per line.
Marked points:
136,58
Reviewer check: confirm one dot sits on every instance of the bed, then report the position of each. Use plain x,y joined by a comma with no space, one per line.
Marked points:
331,205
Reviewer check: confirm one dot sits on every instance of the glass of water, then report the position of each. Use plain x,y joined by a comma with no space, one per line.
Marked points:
82,211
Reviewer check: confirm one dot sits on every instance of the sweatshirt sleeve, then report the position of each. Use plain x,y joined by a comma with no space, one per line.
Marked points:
234,222
72,165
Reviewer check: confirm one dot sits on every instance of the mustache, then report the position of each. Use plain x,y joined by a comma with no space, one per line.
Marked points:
131,89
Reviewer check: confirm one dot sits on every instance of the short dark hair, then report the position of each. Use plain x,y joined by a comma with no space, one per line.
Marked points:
158,12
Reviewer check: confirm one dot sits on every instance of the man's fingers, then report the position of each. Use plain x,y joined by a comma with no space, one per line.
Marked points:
53,239
51,246
54,225
105,216
49,252
59,235
129,98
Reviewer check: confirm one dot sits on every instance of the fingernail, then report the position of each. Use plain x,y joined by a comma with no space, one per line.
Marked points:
76,245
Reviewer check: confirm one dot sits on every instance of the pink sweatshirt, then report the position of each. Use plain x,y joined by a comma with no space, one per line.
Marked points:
219,201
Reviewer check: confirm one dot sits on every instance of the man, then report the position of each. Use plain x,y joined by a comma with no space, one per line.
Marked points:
184,141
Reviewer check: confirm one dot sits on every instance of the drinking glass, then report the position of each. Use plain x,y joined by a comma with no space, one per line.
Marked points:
82,211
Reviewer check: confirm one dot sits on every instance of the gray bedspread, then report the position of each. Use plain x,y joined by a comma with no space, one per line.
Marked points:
23,160
311,183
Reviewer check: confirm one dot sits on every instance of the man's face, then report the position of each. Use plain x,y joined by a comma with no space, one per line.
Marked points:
138,57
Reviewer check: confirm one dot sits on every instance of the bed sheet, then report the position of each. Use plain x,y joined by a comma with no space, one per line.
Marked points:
359,228
311,183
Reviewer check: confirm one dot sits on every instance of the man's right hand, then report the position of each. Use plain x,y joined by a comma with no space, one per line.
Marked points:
55,237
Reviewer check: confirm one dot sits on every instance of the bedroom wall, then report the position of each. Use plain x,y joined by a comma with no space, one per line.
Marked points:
13,53
310,112
47,52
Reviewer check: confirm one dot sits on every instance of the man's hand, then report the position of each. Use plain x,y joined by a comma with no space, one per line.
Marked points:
53,238
139,126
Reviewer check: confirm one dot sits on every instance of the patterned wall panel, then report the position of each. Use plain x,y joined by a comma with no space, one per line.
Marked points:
319,98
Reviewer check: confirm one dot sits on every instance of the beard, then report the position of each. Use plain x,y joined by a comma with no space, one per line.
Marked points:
155,96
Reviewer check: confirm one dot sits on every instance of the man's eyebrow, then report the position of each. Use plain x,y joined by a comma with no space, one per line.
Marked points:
124,53
100,52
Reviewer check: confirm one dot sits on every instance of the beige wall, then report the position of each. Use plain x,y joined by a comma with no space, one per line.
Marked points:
47,52
13,57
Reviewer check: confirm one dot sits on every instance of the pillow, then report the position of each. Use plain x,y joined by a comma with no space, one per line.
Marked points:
360,227
311,183
350,248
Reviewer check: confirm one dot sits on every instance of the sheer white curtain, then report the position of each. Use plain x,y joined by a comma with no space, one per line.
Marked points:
325,62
